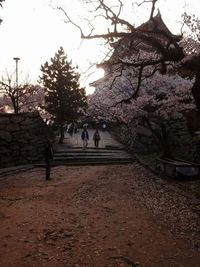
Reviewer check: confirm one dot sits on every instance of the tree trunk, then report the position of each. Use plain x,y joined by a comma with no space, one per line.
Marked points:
14,103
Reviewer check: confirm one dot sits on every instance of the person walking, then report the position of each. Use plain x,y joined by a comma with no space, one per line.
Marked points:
48,156
104,126
85,137
71,129
96,138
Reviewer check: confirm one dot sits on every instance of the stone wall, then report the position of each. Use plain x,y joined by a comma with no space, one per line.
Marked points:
138,139
22,138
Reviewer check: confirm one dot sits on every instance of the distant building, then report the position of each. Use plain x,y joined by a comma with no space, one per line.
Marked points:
145,44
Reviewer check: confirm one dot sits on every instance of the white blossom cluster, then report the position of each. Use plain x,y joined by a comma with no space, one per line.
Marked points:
161,97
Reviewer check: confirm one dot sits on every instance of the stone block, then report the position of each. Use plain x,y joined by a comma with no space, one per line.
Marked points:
5,135
22,136
4,120
12,127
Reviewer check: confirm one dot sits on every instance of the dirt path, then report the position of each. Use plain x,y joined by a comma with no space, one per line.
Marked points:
95,217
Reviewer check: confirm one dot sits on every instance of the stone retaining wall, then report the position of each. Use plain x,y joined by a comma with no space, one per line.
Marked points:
138,139
22,138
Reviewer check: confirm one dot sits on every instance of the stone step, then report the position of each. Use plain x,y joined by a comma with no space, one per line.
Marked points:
89,156
88,151
85,163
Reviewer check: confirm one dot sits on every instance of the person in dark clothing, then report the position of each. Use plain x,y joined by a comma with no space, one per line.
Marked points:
48,156
85,137
71,129
96,138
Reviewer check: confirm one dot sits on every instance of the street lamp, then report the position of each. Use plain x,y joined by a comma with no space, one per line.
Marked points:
17,104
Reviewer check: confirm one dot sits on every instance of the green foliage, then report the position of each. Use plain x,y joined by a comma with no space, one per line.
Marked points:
63,96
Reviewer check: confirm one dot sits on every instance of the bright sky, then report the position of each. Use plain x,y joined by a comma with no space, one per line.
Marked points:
33,31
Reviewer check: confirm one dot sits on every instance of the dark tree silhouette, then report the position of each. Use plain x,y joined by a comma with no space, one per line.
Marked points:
125,38
63,95
1,6
192,63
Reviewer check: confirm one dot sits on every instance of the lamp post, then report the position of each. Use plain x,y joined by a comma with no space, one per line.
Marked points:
17,102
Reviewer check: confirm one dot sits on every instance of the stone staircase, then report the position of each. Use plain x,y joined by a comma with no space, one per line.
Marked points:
65,155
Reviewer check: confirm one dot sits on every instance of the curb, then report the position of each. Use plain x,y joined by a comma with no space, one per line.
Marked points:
15,169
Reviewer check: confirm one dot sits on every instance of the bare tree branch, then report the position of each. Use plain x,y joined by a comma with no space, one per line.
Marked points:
70,21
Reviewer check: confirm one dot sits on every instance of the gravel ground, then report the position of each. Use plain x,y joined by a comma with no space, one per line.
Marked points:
96,216
171,204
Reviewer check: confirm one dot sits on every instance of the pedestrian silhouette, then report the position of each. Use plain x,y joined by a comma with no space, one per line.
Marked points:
96,138
85,137
71,129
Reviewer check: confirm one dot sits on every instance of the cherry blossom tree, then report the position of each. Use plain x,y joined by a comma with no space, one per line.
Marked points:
162,100
191,61
125,39
193,24
137,53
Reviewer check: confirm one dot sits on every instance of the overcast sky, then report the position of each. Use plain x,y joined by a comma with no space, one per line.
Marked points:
33,31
